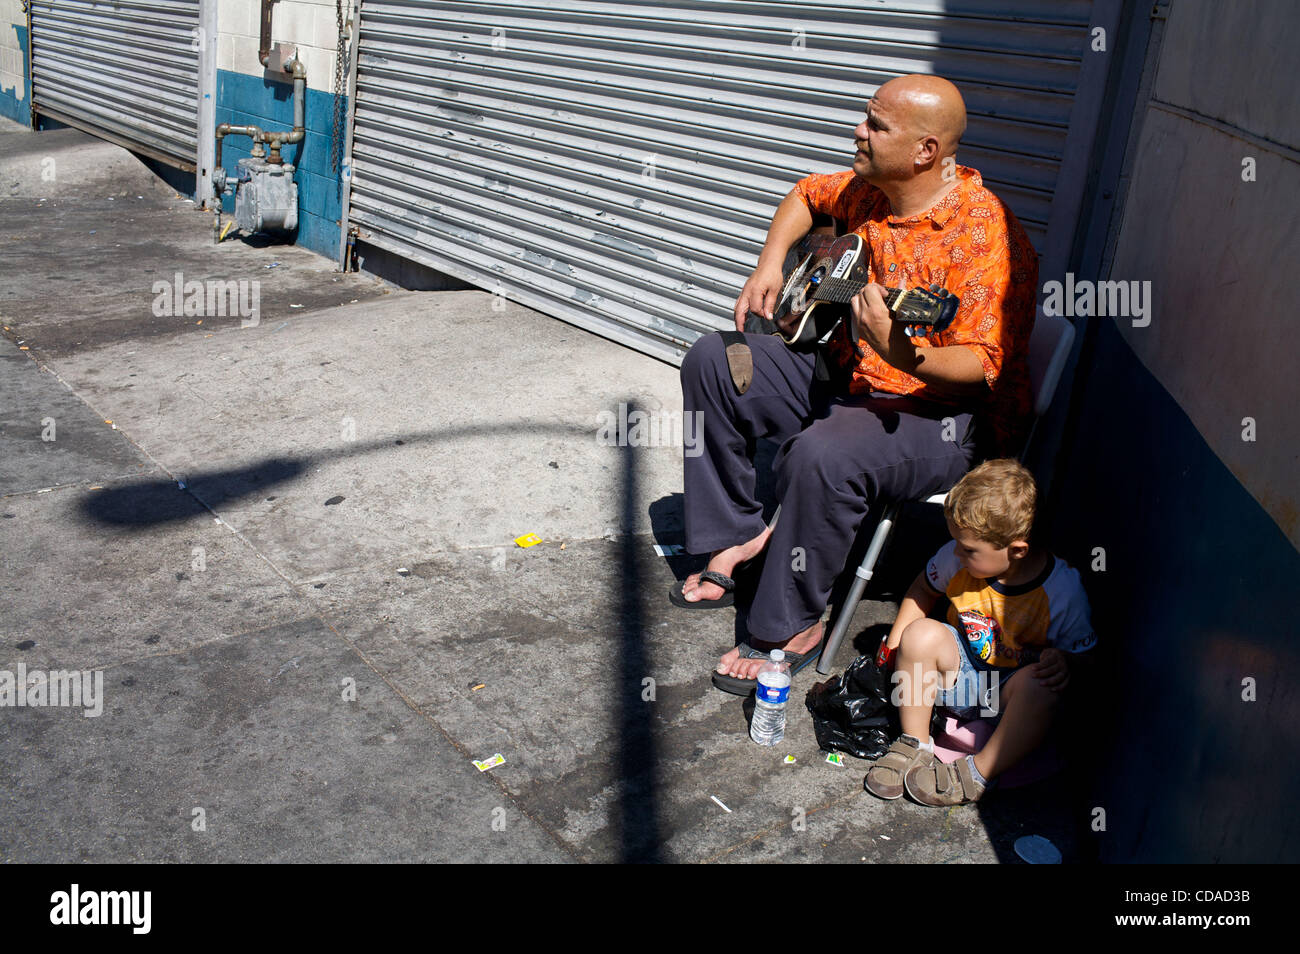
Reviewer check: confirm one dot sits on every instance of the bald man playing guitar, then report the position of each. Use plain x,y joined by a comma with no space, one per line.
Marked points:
899,413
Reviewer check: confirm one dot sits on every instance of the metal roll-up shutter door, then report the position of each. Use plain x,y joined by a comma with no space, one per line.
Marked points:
616,165
125,70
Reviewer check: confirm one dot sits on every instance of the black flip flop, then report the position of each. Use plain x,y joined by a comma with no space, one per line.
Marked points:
743,687
677,598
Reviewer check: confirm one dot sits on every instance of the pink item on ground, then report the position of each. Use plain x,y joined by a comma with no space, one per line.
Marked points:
960,738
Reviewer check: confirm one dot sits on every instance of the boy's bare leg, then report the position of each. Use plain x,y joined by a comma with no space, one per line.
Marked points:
724,562
927,657
1028,710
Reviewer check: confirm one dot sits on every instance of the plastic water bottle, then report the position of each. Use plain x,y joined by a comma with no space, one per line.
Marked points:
768,725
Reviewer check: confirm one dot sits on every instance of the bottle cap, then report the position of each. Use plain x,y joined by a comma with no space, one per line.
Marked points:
777,655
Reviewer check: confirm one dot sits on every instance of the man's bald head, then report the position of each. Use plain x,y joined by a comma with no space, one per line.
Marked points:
926,106
911,132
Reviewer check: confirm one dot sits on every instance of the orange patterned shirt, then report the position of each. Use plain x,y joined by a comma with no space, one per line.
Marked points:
970,243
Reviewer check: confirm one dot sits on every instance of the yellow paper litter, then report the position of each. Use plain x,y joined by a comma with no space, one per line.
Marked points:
528,540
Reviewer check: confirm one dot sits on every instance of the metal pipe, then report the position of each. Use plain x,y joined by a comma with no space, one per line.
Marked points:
278,139
264,43
350,257
225,129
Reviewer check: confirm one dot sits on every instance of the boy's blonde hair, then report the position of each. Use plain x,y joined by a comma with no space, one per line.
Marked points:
995,501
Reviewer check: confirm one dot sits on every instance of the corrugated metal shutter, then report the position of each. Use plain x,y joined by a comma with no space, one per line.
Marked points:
125,70
617,164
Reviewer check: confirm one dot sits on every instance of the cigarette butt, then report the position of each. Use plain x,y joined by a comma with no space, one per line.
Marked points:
720,805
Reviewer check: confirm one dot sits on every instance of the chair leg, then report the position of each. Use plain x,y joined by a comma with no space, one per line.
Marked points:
861,576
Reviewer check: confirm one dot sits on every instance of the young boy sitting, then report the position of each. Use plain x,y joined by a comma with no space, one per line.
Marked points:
1017,619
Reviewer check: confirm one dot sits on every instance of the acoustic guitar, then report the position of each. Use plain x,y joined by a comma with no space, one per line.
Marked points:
819,286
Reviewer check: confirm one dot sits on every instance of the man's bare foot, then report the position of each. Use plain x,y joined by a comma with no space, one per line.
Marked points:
724,562
731,664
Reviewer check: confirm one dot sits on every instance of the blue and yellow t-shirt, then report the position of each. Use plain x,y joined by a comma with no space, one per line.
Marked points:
1000,622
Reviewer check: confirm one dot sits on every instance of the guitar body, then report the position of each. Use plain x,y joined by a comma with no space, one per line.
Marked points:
801,320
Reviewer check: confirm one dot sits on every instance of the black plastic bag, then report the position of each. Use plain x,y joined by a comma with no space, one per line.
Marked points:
852,713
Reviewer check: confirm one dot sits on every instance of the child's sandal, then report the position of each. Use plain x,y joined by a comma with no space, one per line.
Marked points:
943,784
886,777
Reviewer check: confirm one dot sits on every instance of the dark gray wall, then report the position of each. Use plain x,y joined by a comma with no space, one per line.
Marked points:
1198,595
1198,526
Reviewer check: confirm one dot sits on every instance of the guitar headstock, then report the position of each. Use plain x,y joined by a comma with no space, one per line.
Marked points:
926,311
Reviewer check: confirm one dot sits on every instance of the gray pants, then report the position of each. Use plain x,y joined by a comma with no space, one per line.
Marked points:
838,455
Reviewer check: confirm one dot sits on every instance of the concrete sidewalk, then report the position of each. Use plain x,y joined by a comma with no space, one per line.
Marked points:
290,644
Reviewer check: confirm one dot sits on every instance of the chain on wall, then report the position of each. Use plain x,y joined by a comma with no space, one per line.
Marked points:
340,72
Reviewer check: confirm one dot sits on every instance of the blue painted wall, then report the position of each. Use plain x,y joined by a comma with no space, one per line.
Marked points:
1197,595
243,100
11,106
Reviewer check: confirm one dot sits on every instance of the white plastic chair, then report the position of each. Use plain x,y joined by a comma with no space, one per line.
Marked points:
1049,349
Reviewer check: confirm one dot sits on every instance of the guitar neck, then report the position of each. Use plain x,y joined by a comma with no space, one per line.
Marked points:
841,291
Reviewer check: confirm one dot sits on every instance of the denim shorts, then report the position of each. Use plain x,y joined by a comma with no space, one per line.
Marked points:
975,693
